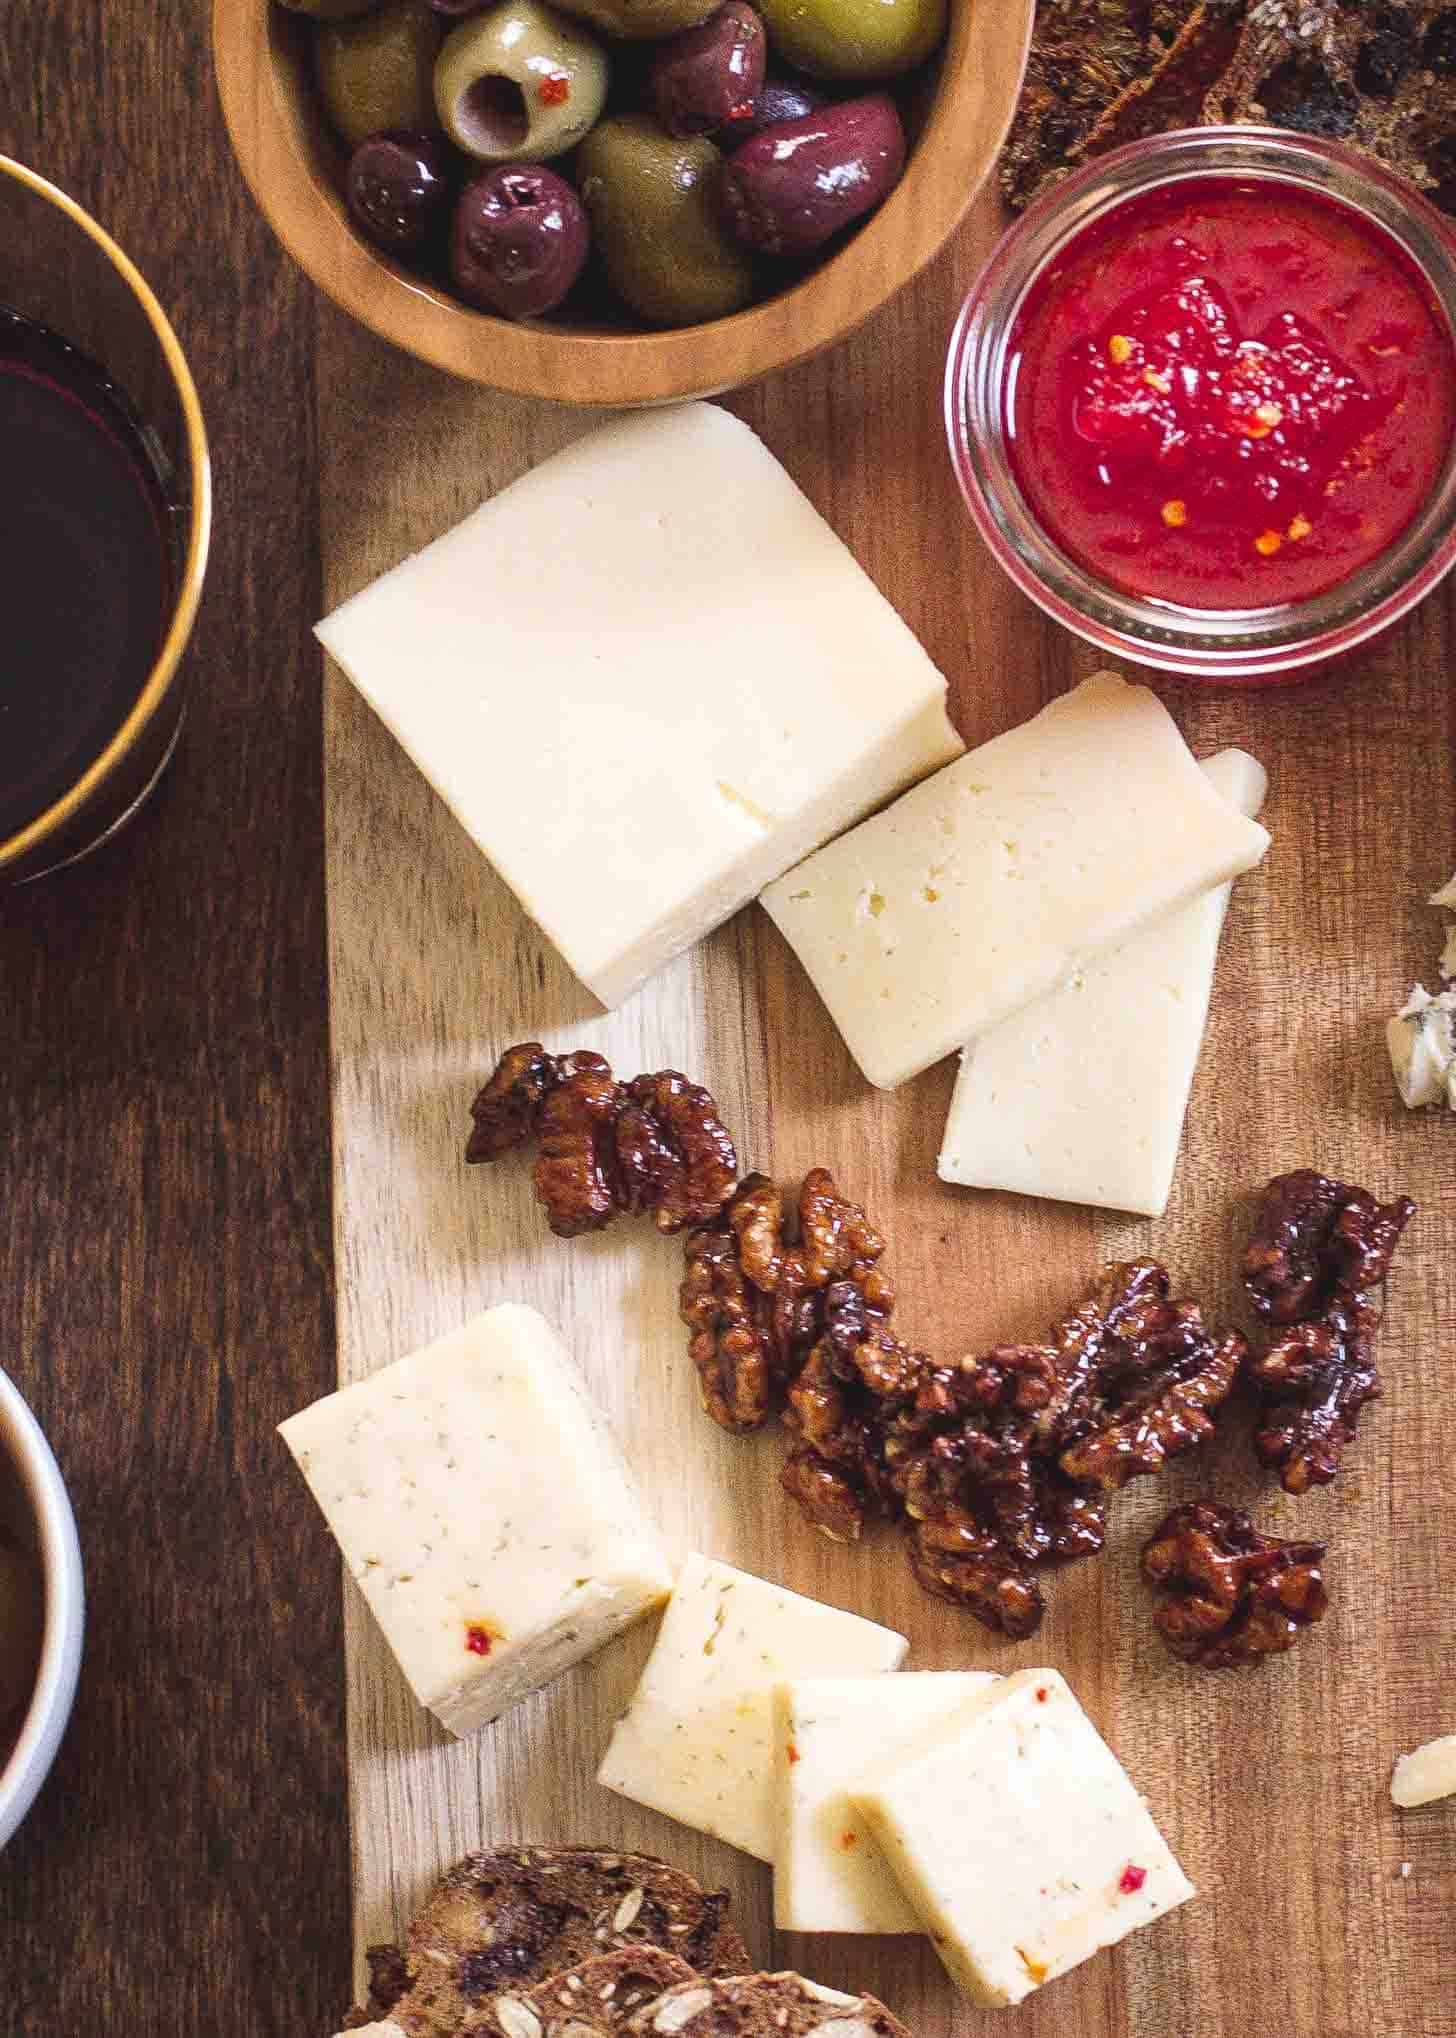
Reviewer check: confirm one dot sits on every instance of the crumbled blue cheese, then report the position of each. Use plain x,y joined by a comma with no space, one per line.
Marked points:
1422,1042
480,1502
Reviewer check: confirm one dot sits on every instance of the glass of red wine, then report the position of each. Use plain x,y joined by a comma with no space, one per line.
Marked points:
104,517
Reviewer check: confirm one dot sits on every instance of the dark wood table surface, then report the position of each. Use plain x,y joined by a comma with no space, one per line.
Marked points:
165,1264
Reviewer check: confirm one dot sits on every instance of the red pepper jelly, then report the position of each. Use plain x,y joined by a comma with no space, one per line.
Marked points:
1229,395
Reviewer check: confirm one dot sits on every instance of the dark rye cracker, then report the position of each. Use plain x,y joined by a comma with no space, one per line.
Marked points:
595,2000
1378,74
508,1919
763,2006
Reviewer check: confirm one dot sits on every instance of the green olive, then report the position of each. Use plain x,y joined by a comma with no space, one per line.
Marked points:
329,10
642,20
519,83
854,39
378,72
654,206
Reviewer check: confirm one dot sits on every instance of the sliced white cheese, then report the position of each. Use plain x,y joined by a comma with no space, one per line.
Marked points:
385,2030
484,1510
1019,1839
1446,896
697,1740
646,678
829,1875
1422,1043
1448,956
1427,1773
987,886
1081,1097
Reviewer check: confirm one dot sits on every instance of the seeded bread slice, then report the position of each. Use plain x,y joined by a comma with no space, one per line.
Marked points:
509,1919
763,2006
594,2000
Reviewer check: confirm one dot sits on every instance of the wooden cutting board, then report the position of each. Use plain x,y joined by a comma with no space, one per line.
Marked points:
1272,1785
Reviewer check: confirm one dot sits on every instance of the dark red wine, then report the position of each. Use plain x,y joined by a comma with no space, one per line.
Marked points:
87,569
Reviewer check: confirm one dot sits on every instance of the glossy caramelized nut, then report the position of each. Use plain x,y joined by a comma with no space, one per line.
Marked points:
710,76
519,83
375,73
517,244
1233,1596
398,188
793,187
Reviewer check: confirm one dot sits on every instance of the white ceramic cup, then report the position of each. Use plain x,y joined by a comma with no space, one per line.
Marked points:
30,1462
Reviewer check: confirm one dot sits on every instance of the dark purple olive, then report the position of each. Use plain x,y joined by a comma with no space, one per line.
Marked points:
518,240
777,102
710,75
398,188
793,186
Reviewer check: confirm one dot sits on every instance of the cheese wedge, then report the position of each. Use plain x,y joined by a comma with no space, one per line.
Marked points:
829,1876
990,884
646,678
483,1509
697,1740
1082,1096
1018,1838
1426,1774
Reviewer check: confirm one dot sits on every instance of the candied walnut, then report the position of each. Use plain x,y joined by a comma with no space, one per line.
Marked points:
835,1236
1315,1381
674,1155
955,1558
756,1213
1235,1596
826,1494
1166,1414
507,1112
1316,1266
727,1346
1316,1241
572,1173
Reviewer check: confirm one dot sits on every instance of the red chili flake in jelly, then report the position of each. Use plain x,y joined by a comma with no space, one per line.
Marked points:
555,90
478,1639
1132,1879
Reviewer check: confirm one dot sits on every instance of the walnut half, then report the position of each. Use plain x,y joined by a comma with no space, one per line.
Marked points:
1234,1596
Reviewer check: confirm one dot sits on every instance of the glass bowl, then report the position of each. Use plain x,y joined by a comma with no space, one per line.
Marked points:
1254,646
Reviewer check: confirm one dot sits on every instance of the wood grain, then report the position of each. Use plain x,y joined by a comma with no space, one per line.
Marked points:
165,1286
1272,1786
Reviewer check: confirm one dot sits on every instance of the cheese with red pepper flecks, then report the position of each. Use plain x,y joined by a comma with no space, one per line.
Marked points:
1018,1838
485,1513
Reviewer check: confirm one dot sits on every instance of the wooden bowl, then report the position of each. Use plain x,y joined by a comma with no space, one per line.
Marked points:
294,166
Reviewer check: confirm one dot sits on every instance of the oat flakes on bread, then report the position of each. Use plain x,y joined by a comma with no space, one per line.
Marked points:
763,2006
1380,76
512,1917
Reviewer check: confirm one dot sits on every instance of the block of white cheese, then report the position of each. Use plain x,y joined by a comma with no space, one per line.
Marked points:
483,1508
829,1876
1081,1097
990,884
1427,1773
1019,1839
697,1740
646,678
385,2030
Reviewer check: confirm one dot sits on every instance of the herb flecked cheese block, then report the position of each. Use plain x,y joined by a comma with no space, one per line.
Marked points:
1019,1839
696,1742
646,678
482,1506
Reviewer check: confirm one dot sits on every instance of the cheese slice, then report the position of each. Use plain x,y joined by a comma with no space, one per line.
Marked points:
696,1742
646,678
1081,1097
989,885
1426,1774
483,1509
1019,1839
829,1876
385,2030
